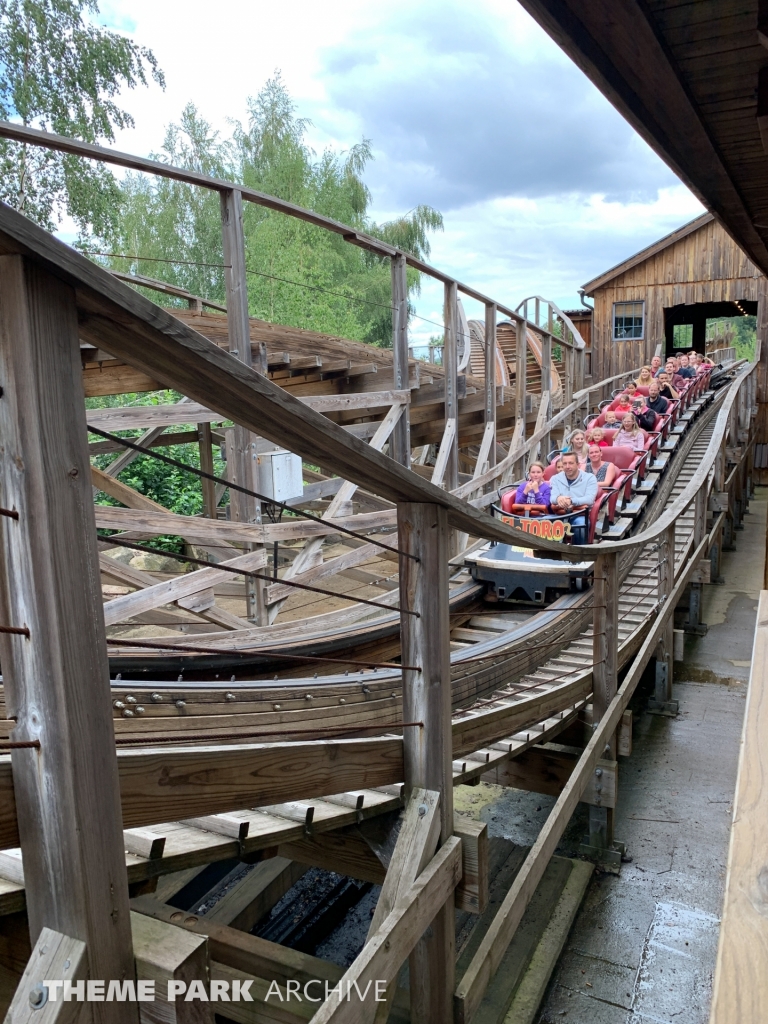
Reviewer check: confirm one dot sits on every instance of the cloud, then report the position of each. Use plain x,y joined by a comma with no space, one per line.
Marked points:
469,103
512,248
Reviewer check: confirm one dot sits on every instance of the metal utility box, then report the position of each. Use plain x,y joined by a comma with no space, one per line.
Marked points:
280,476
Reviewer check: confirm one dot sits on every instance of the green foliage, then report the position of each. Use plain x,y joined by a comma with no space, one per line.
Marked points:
176,489
299,274
60,72
739,331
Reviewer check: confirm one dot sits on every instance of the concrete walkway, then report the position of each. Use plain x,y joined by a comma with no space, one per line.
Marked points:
643,946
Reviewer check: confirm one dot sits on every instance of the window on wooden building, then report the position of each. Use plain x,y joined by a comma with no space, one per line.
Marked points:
628,320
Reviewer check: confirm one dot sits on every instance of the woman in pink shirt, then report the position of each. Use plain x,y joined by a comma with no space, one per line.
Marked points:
630,435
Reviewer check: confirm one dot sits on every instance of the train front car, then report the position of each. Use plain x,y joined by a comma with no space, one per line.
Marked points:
520,574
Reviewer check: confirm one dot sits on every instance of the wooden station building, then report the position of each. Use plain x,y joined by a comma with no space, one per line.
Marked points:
692,275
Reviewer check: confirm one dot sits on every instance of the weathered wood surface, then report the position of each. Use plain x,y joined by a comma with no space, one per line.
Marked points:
383,954
486,960
144,417
66,791
741,975
184,586
163,785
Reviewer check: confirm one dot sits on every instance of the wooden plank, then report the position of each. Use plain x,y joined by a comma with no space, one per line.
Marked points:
521,353
67,799
357,556
136,417
165,954
164,785
205,446
184,586
414,849
238,949
740,992
445,453
246,903
116,378
383,954
210,531
122,492
144,843
400,445
55,957
450,364
425,638
490,385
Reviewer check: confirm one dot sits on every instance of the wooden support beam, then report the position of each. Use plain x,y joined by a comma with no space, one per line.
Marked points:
521,352
605,646
740,990
252,897
450,365
400,445
490,382
49,584
662,698
55,957
185,586
425,639
167,954
241,465
165,785
129,496
546,378
383,954
205,446
239,950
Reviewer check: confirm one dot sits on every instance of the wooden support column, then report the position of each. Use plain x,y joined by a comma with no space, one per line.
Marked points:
450,365
490,379
400,443
605,640
546,380
205,444
241,467
694,623
521,351
57,678
423,531
662,702
568,365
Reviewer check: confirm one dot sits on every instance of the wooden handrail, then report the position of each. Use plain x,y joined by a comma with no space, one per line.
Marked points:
578,343
63,144
128,325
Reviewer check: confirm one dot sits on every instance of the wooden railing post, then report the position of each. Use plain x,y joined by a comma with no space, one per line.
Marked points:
242,468
605,641
547,380
490,377
450,366
695,591
423,532
205,445
400,442
521,351
662,702
56,677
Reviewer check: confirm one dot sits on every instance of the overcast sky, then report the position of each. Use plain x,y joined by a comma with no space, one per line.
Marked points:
470,107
